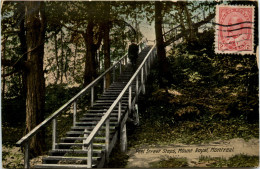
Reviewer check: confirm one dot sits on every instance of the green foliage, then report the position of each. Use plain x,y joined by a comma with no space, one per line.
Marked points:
8,136
57,95
12,157
208,97
235,161
117,158
13,111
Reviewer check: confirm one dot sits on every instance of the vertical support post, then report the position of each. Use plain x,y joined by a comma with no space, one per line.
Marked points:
85,135
142,80
114,73
120,67
74,113
90,153
145,66
107,138
92,96
130,99
149,63
104,84
26,156
137,86
119,109
123,139
54,133
126,59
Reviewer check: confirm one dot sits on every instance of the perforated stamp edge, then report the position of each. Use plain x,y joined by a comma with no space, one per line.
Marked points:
251,52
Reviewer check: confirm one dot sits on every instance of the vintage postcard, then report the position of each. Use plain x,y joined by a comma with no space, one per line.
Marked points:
129,84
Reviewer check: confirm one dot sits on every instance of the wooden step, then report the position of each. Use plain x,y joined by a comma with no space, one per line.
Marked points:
107,97
81,138
93,123
95,145
74,152
100,113
56,159
78,151
111,100
96,118
82,128
107,104
58,166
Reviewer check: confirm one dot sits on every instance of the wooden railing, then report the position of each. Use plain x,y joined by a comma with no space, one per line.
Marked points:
25,140
142,71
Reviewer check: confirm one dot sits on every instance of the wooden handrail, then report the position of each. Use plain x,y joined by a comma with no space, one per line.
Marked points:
29,135
112,107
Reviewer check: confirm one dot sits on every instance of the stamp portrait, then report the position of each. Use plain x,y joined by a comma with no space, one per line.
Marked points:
234,29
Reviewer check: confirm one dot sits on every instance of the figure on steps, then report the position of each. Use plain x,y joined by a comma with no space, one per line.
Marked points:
133,54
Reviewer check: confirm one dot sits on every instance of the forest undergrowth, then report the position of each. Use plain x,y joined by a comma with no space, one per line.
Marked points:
205,97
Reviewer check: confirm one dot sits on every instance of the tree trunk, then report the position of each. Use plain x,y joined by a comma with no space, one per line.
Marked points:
180,12
107,44
74,61
22,37
189,22
35,24
163,66
57,58
90,67
62,55
3,67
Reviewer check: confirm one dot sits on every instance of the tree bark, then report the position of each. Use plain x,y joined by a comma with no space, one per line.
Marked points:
35,23
163,66
22,37
90,67
57,58
62,56
189,22
107,44
3,67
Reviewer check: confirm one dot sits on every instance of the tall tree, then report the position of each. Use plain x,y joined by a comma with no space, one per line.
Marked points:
35,24
107,42
163,67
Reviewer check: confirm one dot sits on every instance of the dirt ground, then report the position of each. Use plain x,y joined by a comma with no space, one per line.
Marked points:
143,156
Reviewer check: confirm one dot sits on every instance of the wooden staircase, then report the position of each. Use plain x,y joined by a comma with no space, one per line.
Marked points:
70,152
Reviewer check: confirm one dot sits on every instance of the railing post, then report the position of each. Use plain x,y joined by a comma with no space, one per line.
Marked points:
90,152
142,80
74,113
107,138
104,84
136,87
145,66
85,135
26,155
130,99
126,59
114,73
54,133
120,67
92,96
149,63
119,109
123,139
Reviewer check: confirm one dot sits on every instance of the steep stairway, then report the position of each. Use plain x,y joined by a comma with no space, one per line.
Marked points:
70,151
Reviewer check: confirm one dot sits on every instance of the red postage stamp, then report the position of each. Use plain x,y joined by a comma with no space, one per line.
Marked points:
234,29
